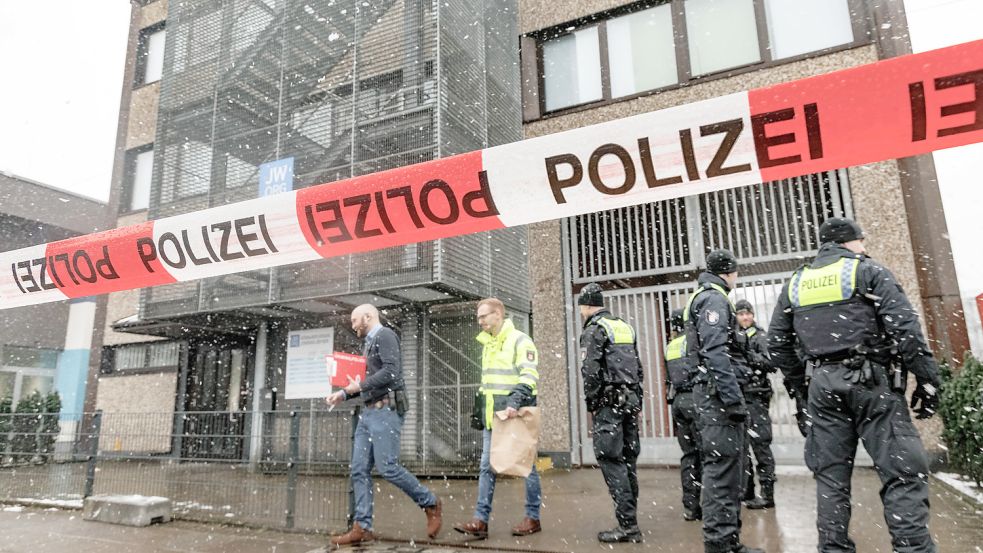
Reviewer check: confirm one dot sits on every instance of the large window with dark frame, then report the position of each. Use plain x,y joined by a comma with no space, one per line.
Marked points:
150,55
139,171
658,44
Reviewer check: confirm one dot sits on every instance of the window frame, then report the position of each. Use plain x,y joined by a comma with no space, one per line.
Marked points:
129,179
107,363
531,45
142,55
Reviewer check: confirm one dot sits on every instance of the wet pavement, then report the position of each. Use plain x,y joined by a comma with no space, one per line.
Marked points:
576,507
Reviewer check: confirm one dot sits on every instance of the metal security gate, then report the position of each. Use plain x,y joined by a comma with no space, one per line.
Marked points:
770,227
648,310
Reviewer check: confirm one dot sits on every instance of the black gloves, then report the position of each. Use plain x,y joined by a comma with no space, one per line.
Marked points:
736,413
925,399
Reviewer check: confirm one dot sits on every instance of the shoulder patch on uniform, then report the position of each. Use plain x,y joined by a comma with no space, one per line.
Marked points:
712,316
530,355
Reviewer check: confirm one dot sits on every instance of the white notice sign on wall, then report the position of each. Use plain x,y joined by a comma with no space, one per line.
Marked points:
307,372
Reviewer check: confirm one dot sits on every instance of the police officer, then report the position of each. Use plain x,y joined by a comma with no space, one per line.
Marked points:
757,397
679,385
612,375
850,317
711,326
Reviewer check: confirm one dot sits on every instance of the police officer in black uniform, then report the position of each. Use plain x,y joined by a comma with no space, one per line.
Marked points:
859,335
679,394
711,327
757,397
612,375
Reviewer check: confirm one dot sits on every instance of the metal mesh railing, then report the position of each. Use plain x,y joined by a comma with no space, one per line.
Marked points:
289,470
345,88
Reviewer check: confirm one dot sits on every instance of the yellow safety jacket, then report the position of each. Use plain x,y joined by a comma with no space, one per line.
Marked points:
508,359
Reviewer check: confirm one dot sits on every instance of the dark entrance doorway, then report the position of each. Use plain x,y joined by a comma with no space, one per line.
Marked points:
218,388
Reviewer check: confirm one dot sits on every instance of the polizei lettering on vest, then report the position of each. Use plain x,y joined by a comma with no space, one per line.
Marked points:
820,282
221,241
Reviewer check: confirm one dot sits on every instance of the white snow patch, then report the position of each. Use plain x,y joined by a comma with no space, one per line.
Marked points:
13,509
962,484
139,500
792,470
63,503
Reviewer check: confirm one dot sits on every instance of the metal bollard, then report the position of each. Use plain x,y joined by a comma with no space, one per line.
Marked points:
90,466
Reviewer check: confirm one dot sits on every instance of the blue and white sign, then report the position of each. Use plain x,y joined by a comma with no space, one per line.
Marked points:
276,176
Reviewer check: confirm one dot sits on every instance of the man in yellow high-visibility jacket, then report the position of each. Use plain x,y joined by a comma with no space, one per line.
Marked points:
509,381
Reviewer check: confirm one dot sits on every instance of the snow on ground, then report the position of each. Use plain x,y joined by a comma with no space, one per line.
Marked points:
62,503
962,484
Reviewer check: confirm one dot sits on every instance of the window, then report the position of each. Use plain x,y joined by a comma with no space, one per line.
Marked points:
798,27
135,357
652,45
140,171
150,55
572,69
641,51
722,34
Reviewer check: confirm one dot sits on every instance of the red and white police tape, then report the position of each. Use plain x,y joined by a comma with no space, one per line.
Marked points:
890,109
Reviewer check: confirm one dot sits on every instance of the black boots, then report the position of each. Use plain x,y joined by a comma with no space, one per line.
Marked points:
621,535
766,501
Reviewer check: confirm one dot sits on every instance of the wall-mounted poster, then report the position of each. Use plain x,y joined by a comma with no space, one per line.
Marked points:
308,373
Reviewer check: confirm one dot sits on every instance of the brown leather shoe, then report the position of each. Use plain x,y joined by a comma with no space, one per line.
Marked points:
354,536
526,527
434,518
475,528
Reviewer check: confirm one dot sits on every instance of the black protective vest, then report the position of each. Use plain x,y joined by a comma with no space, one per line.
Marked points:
621,362
829,313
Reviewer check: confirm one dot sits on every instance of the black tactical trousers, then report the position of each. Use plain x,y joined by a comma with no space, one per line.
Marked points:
759,442
616,447
842,412
722,444
684,420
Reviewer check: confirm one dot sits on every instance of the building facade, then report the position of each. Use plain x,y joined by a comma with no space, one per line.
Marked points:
225,95
228,100
592,62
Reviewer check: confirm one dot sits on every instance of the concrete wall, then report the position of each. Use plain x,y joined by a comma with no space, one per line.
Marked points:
877,199
138,411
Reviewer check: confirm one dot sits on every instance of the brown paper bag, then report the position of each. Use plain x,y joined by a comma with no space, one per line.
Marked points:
514,442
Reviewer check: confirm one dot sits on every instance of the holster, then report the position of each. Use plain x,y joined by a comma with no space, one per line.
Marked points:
898,377
402,402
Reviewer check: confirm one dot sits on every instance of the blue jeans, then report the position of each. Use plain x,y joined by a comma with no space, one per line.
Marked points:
486,485
377,443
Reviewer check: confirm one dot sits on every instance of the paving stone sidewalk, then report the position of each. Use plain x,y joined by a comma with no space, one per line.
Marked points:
576,507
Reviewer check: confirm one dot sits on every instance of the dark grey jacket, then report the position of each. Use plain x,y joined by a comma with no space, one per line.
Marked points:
383,366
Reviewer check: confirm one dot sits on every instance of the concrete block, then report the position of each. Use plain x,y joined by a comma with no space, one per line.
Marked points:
129,510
